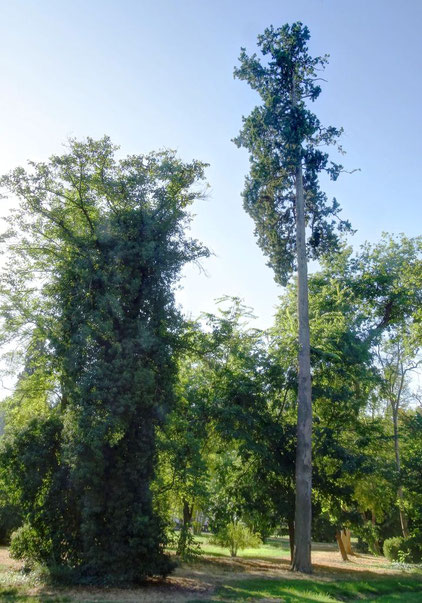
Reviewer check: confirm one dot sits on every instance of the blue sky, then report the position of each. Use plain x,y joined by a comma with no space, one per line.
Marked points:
159,74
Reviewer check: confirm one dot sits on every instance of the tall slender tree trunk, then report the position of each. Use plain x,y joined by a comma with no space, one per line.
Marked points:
403,518
303,510
291,525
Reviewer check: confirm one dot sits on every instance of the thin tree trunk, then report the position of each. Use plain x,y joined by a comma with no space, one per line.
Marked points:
341,546
291,524
403,518
376,546
184,532
303,509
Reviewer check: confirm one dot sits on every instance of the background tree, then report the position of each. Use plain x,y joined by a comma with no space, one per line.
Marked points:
185,441
397,361
380,286
412,474
282,195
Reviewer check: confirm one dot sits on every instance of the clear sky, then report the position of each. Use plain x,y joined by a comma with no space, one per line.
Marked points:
155,74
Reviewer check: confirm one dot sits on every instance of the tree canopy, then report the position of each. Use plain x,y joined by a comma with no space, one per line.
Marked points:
94,249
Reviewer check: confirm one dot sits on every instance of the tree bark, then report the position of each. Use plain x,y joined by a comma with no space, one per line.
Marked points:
345,536
303,509
291,525
184,532
341,546
187,513
397,380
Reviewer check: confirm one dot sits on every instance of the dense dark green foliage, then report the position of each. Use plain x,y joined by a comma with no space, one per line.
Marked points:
392,547
412,473
107,238
405,550
278,134
235,438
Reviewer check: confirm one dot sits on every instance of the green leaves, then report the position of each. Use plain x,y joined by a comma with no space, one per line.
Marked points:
279,135
98,244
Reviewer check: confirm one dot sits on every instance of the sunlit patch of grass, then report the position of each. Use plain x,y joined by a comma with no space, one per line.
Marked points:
307,591
273,548
15,587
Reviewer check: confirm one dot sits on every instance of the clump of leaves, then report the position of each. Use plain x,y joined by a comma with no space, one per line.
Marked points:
187,548
392,547
236,536
26,545
403,550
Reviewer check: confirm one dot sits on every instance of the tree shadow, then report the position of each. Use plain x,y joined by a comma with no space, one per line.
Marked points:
13,595
312,590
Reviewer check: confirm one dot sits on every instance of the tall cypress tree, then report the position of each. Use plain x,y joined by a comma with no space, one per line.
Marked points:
96,246
286,143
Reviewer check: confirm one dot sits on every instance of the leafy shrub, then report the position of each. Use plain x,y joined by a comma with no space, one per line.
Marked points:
187,548
411,550
26,545
370,535
404,550
236,536
392,546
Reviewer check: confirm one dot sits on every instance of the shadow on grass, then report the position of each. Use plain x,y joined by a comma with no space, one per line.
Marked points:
309,590
13,595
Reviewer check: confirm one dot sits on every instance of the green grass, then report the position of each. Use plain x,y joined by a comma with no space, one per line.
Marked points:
15,587
273,548
384,590
15,595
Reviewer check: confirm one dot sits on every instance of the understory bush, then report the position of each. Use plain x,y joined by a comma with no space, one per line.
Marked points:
404,550
236,536
369,534
187,548
26,545
392,547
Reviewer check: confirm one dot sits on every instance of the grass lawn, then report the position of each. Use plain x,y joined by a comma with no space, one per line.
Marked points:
13,595
259,575
273,548
292,591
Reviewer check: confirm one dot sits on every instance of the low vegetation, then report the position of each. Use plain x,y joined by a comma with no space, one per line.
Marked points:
255,575
236,536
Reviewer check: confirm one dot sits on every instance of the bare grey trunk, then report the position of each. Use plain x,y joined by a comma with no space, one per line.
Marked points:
303,510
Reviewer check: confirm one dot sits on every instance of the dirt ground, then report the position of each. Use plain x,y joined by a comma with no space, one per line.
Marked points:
199,580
